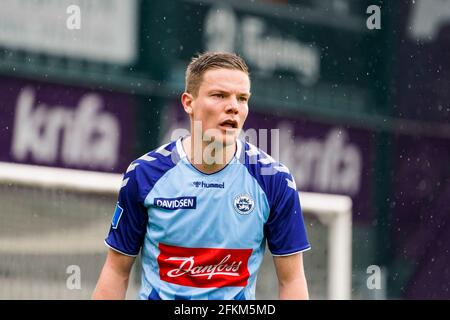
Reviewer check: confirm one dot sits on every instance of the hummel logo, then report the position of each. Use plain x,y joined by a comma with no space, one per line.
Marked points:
201,184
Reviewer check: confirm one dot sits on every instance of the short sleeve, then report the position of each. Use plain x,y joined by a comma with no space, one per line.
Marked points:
129,222
285,230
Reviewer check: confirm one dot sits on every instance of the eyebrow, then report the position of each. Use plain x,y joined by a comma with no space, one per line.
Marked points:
247,94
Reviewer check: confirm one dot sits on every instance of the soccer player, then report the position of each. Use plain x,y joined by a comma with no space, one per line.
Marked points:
200,209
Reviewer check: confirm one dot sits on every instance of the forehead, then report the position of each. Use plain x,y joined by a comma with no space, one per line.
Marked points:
225,80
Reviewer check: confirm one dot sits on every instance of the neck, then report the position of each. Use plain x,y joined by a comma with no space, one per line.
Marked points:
208,157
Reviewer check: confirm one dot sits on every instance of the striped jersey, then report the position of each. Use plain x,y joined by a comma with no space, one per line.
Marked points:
203,236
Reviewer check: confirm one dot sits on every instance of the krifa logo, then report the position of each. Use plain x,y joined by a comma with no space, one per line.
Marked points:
201,184
244,204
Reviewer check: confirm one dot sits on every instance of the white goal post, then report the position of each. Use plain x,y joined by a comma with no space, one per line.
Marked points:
334,211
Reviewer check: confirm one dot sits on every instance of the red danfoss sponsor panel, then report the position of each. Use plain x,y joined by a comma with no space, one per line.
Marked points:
204,267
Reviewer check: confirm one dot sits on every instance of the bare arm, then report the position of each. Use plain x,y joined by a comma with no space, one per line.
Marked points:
291,277
113,281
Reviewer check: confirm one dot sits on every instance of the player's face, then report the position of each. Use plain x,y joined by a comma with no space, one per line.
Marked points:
222,104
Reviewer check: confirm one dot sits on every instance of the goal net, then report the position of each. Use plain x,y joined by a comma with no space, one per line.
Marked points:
53,222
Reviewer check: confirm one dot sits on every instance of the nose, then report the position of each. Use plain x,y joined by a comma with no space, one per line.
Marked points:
232,105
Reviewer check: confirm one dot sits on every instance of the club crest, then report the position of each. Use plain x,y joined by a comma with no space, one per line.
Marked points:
243,204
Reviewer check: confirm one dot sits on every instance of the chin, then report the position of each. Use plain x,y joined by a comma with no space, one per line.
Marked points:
224,138
228,141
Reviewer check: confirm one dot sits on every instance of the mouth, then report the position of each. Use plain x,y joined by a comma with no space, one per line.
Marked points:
229,124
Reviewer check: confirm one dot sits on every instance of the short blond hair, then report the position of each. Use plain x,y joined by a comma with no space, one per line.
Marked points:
207,61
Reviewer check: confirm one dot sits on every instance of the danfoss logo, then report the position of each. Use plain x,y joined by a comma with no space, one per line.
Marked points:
204,267
187,266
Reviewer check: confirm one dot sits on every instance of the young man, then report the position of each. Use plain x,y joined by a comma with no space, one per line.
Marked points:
200,209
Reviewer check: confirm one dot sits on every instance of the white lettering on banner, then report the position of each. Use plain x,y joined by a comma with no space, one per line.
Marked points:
272,52
220,28
332,165
87,135
427,18
187,266
262,46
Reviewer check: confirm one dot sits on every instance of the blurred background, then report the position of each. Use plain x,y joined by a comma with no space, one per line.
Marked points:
362,112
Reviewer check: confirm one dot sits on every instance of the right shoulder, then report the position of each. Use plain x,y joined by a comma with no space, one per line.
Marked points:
146,170
162,158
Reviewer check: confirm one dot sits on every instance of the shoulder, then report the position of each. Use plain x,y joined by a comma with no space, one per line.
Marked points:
150,167
162,158
272,175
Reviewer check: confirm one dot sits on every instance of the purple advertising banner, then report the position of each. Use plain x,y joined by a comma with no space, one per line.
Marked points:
322,157
420,227
421,220
62,126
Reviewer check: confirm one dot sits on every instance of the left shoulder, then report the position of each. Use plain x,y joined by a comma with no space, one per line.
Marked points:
265,169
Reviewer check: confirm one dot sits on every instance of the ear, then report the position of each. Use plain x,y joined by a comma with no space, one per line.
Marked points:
187,100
